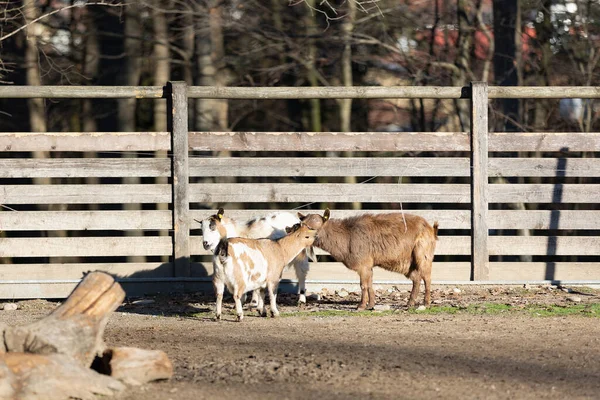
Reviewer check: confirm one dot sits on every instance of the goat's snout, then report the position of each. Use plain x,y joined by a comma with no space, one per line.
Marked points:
206,245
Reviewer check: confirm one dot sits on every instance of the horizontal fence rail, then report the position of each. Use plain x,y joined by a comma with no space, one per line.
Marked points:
364,92
512,206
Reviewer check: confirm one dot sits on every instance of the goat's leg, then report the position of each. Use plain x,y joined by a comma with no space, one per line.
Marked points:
272,288
262,307
371,304
415,277
237,297
301,267
363,273
254,303
219,289
427,281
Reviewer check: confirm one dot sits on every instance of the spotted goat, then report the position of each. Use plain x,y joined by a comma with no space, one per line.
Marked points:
271,226
255,265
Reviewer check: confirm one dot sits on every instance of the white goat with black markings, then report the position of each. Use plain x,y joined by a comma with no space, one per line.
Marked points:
255,265
271,226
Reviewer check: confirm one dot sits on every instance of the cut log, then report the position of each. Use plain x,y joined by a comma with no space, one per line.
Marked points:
51,358
76,327
51,377
135,366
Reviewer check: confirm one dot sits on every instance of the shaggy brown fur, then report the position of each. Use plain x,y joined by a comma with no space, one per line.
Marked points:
382,240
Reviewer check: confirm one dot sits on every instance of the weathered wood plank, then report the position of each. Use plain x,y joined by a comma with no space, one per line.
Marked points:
86,246
545,245
77,270
479,181
82,194
544,193
498,245
83,168
446,245
177,113
81,92
328,192
85,220
357,92
332,272
329,141
330,92
85,141
544,167
452,219
448,219
544,92
312,166
544,219
537,271
544,141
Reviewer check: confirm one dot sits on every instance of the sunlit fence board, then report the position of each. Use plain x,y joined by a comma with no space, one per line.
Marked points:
544,167
329,141
447,219
544,193
334,193
85,141
544,141
312,166
84,167
86,246
85,220
84,194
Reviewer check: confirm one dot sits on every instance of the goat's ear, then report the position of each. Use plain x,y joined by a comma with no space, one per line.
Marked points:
288,229
301,216
326,214
220,214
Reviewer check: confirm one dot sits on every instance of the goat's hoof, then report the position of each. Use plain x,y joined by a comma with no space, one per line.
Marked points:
275,314
240,318
302,299
361,307
218,317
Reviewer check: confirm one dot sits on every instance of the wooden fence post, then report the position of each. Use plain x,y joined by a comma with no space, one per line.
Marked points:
480,261
177,114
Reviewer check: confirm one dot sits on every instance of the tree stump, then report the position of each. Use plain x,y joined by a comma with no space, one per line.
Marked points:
51,358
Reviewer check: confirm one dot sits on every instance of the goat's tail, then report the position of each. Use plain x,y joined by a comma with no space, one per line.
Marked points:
435,229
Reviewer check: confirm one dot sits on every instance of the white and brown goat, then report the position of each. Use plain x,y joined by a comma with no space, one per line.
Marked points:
272,226
245,265
397,242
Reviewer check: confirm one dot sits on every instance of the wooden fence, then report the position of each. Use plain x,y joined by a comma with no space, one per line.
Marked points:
67,213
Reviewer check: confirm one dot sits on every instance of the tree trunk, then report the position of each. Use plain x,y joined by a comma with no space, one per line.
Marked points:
91,62
505,56
131,77
311,72
162,74
162,70
211,114
463,59
346,104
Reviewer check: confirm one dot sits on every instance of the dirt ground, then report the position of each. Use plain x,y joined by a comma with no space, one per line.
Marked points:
492,343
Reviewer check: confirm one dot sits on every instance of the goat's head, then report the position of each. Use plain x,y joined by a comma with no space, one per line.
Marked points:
305,234
314,221
212,230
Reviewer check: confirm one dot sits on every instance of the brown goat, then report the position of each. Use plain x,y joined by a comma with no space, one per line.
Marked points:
397,242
